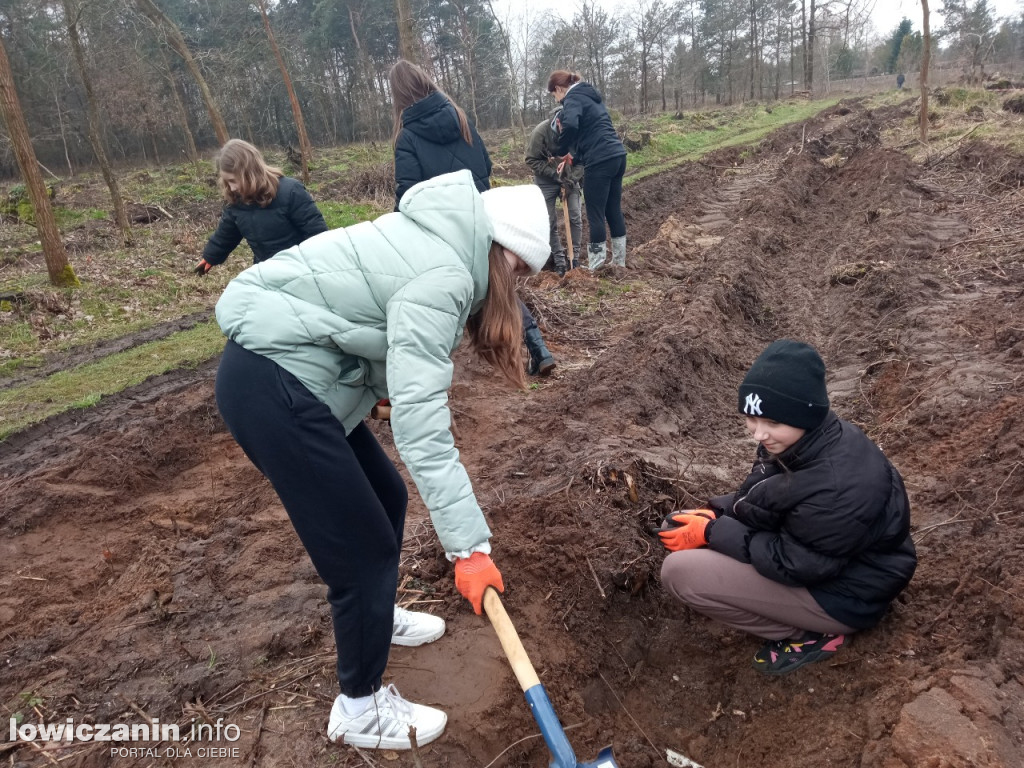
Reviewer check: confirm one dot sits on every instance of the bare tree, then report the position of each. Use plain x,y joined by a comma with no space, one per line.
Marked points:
925,60
57,264
410,46
652,21
506,42
177,41
71,16
300,125
179,105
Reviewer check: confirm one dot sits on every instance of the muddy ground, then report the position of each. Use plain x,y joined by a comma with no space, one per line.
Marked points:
149,571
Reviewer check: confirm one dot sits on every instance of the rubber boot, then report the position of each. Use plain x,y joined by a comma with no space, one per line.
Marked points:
619,251
541,361
596,253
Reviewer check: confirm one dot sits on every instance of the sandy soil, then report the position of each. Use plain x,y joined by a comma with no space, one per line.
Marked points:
149,571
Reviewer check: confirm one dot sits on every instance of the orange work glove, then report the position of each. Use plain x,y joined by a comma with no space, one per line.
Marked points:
202,267
688,531
473,575
566,164
382,410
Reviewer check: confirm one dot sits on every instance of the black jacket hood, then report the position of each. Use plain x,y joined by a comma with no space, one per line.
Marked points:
433,118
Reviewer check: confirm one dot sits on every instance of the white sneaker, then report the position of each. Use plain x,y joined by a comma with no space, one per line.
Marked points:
415,628
385,723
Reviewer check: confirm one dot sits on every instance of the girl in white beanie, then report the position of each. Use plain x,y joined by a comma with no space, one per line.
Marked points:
321,332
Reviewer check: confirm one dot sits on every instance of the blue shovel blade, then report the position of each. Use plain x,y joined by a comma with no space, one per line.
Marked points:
554,735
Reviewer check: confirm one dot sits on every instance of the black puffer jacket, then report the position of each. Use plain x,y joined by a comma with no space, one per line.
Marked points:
431,144
291,218
587,126
830,514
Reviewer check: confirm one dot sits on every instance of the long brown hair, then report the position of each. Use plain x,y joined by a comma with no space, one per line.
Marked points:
257,181
561,78
496,330
409,84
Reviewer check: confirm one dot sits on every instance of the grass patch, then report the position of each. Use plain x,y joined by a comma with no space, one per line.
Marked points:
86,385
338,214
679,141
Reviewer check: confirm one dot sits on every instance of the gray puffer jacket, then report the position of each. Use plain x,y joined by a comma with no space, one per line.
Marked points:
375,310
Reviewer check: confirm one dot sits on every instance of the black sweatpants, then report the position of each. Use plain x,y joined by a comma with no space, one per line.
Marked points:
344,496
602,196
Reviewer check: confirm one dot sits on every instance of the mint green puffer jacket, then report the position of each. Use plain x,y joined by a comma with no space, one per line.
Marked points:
375,310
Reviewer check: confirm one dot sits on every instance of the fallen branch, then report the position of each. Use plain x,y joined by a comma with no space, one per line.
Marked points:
594,574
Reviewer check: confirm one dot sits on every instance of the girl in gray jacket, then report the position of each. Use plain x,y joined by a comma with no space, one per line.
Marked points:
317,335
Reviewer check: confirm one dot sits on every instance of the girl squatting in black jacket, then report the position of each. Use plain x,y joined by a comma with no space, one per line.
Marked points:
270,210
816,543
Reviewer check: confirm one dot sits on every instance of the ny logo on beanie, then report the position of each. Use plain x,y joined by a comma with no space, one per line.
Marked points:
786,384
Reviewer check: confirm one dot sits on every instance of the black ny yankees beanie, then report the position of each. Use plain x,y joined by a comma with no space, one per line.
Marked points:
786,384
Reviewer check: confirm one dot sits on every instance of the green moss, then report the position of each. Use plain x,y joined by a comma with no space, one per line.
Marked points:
25,212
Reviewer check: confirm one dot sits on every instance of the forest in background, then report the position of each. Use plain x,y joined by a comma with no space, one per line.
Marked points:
161,72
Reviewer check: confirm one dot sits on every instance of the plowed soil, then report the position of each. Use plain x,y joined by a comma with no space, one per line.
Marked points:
150,572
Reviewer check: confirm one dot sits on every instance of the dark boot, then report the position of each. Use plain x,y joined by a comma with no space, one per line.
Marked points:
541,361
560,263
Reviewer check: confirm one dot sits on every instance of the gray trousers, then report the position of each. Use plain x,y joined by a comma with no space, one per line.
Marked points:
734,594
556,222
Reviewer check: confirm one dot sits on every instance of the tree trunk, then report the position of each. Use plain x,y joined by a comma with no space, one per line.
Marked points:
177,41
516,114
809,52
300,125
93,127
179,103
366,70
57,264
925,61
63,135
410,47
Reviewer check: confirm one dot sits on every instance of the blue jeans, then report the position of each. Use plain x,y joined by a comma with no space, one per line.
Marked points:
342,493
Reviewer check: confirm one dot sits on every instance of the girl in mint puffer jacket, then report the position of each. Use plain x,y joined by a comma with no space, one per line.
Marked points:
317,335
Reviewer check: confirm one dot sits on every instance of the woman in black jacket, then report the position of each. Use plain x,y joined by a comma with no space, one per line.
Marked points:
815,544
586,135
433,136
270,210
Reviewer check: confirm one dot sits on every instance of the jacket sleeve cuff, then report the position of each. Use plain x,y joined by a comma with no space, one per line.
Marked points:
730,537
484,547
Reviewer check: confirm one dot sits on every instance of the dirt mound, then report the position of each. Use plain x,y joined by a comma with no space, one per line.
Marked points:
152,570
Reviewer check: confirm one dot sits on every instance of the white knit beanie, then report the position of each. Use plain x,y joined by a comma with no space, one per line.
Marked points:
519,218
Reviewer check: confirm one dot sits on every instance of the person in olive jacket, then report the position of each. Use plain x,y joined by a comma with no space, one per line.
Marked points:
270,210
540,156
815,544
432,135
586,136
321,332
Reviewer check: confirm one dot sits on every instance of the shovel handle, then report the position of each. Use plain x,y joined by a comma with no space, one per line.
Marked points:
569,247
510,642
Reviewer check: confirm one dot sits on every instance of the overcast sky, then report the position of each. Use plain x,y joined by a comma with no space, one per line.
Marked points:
886,14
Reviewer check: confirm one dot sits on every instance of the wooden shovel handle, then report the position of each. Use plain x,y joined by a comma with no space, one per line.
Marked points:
509,639
569,247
